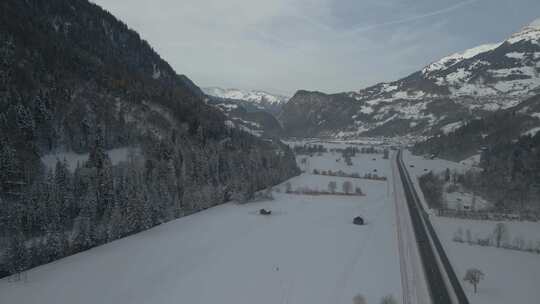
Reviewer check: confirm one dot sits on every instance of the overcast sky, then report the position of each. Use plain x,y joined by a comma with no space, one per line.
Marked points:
326,45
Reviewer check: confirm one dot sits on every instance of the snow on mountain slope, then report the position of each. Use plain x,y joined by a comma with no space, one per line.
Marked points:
255,122
529,33
509,67
254,96
448,61
251,111
458,87
451,127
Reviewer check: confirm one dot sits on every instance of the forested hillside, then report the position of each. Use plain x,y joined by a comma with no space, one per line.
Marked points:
75,79
508,178
501,127
508,143
511,175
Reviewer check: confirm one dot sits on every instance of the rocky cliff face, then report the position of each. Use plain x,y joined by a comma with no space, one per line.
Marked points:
316,113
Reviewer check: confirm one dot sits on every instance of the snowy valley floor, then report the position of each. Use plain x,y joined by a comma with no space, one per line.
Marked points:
308,251
510,276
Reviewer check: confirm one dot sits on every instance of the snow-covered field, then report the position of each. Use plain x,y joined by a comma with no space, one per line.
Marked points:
472,161
307,251
461,201
418,165
362,163
510,276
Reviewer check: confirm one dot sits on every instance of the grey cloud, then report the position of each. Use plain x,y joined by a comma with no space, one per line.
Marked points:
328,45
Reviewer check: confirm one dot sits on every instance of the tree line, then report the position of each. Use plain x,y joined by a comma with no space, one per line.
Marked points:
64,212
73,78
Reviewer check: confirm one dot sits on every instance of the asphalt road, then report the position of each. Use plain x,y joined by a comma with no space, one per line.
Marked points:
443,284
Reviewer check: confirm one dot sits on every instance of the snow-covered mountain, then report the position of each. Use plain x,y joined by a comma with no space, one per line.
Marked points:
252,111
260,99
472,83
448,61
258,123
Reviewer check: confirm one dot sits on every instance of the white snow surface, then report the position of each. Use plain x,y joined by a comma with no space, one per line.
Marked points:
451,60
460,200
530,32
449,128
510,276
362,163
255,96
535,24
515,55
366,109
307,251
423,165
472,161
532,132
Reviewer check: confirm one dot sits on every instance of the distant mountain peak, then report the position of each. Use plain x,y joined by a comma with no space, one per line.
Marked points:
255,96
450,60
531,33
535,24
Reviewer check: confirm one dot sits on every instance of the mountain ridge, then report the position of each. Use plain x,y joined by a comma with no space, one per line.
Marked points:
259,99
471,83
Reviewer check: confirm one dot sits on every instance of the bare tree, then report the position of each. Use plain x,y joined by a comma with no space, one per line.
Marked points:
388,300
518,243
288,187
458,236
359,299
347,187
267,194
473,277
332,186
386,154
468,235
500,234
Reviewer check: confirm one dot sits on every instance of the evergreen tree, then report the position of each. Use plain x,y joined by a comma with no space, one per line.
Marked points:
63,193
17,254
8,166
25,121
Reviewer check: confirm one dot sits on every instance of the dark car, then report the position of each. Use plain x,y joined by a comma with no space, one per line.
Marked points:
358,220
265,212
